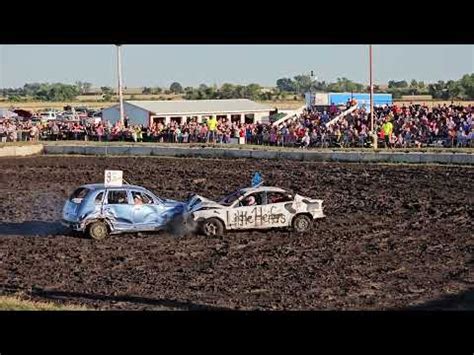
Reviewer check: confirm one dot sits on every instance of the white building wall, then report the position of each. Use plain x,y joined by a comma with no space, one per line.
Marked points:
139,115
261,116
136,115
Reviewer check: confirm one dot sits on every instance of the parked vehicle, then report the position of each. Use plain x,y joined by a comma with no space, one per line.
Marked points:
48,115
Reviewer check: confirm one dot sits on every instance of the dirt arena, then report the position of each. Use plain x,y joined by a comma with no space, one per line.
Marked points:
395,237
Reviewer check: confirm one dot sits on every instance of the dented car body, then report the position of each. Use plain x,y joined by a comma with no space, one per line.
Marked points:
100,210
271,207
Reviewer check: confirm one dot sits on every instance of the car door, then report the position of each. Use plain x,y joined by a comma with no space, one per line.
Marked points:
118,209
148,213
279,208
243,216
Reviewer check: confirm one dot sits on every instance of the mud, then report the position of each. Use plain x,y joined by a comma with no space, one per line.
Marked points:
395,237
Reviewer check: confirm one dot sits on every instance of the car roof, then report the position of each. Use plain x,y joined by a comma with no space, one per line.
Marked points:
102,186
263,188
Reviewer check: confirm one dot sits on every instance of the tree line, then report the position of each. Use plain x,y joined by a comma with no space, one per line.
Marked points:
462,89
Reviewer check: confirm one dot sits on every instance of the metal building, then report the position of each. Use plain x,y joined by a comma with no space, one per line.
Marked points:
147,113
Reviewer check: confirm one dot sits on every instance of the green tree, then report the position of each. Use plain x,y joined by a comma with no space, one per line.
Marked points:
320,86
107,97
209,93
30,89
106,90
438,90
147,91
455,90
83,87
467,83
57,92
176,88
252,91
397,84
226,91
303,83
285,84
16,98
396,93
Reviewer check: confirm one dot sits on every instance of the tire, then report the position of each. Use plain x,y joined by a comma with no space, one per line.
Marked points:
98,230
301,223
212,227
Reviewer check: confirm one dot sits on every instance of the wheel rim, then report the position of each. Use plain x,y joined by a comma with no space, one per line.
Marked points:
210,228
302,224
99,231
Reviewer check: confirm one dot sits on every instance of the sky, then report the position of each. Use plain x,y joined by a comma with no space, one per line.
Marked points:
191,65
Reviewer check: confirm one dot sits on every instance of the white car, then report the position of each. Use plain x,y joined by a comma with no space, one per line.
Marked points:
48,115
260,207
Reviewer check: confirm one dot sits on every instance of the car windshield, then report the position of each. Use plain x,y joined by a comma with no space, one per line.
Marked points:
230,199
79,195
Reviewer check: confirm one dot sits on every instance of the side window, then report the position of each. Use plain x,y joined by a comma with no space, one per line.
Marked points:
118,197
278,197
79,195
140,198
255,199
99,198
147,198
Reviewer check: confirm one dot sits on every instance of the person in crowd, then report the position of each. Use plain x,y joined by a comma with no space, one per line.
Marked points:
212,129
387,129
3,133
398,126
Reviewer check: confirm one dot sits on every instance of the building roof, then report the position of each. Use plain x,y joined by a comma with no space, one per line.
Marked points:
200,106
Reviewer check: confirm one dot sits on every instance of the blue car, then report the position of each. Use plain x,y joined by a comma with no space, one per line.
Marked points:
100,211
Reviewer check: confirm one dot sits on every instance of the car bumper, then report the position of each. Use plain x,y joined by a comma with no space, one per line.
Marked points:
318,214
72,225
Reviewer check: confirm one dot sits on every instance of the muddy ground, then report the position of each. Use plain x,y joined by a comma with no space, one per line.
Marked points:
395,237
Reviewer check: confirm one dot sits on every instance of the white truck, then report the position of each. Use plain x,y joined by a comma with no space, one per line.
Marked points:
48,115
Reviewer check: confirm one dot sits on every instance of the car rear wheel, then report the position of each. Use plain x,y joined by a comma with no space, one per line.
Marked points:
301,223
212,227
98,230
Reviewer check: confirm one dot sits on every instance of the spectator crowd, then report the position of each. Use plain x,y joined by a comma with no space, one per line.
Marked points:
396,127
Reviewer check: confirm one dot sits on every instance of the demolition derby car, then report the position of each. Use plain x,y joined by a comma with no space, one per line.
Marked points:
256,207
102,209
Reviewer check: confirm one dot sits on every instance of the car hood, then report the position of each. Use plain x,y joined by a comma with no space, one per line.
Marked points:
197,202
171,203
174,205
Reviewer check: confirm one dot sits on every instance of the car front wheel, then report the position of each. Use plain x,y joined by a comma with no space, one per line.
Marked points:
212,227
301,223
98,230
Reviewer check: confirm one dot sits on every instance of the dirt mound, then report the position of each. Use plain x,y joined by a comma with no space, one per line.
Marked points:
396,236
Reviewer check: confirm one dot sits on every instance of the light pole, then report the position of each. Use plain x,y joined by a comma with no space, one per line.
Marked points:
372,128
119,72
313,78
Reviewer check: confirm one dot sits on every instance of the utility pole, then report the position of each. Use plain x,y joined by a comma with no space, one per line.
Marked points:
313,79
372,128
119,72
